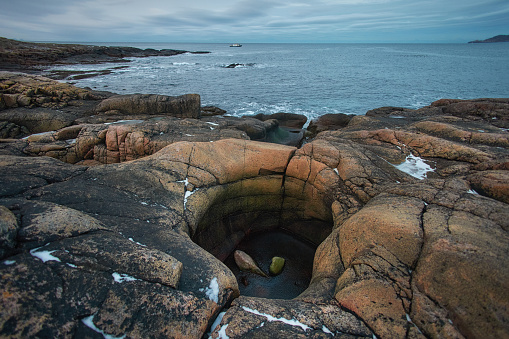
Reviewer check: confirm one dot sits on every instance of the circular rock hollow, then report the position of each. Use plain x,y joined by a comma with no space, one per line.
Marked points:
265,215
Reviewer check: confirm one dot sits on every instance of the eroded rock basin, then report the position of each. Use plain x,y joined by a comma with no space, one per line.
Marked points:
262,247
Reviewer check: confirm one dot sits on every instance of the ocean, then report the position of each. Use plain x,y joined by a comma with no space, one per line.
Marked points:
312,79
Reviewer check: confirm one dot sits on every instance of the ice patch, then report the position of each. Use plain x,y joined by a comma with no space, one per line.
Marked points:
187,195
222,332
9,262
137,243
291,322
415,167
212,291
120,278
43,255
216,322
124,122
42,133
185,181
326,330
89,322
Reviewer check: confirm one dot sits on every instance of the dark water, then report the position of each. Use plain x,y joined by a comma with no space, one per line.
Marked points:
262,247
315,79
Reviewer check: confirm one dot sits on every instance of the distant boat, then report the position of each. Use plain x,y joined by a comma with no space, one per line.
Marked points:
235,45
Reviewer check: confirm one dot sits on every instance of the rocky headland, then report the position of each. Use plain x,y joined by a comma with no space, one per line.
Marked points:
498,38
118,211
32,57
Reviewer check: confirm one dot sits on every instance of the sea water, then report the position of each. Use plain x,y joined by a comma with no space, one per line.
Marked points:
313,79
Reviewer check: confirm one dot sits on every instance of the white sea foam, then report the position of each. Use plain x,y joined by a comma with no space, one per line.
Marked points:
415,167
291,322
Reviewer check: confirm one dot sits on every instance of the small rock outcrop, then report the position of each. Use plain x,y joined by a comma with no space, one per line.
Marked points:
186,106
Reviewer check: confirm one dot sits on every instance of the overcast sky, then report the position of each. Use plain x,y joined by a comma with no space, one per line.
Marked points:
254,20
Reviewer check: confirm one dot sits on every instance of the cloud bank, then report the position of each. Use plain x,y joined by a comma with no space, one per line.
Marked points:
254,21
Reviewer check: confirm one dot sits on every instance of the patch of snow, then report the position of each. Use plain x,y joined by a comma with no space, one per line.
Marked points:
124,122
212,123
72,265
408,318
212,291
161,133
185,181
291,322
42,133
70,141
336,171
9,262
187,195
471,191
222,332
396,117
326,330
89,322
415,166
211,128
120,278
216,322
189,135
480,130
144,203
131,239
43,255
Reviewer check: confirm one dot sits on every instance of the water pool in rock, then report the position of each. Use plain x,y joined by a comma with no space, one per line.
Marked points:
262,247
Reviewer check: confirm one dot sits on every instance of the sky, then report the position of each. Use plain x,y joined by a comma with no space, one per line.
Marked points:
247,21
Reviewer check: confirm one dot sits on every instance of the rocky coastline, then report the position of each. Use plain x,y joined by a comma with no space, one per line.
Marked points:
117,212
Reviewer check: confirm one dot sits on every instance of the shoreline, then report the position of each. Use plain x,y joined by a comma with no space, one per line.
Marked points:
31,57
114,208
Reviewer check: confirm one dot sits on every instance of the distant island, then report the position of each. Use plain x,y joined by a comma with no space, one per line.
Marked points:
498,38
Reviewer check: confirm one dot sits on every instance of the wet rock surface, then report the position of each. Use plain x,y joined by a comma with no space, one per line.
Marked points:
408,209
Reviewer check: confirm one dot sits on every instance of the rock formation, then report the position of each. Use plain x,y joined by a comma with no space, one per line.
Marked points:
18,55
131,247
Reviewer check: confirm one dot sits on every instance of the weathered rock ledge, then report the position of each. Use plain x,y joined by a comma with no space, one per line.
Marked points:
113,248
